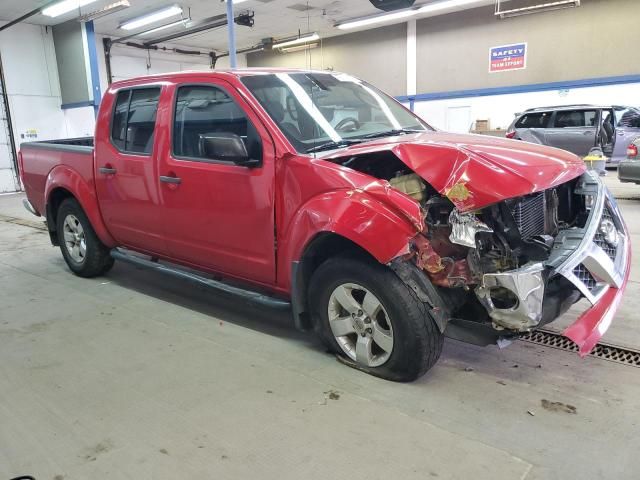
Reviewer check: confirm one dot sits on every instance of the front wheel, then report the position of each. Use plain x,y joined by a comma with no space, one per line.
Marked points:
364,312
81,248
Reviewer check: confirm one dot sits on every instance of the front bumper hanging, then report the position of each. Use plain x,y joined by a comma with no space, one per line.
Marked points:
595,259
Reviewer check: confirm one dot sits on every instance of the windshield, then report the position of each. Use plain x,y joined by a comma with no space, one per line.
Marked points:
321,111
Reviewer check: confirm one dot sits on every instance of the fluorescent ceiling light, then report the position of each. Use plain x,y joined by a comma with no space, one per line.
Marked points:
399,15
542,7
152,17
108,10
434,7
162,27
297,48
297,41
362,22
65,6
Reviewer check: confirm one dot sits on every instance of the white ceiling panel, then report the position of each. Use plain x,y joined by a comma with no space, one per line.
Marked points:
273,18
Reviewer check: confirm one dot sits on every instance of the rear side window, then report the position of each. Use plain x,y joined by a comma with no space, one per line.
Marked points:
203,110
134,120
534,120
628,118
576,118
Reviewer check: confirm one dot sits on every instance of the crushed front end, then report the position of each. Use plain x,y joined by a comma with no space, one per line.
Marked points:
519,264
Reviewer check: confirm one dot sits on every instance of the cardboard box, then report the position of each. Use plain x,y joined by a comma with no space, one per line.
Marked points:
483,125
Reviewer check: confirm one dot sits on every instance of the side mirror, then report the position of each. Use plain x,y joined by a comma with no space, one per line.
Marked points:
226,146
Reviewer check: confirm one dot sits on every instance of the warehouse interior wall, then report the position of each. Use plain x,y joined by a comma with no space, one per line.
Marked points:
452,55
71,59
453,50
501,109
378,56
129,62
31,76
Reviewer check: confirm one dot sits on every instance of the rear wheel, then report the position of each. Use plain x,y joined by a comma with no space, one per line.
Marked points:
365,313
81,248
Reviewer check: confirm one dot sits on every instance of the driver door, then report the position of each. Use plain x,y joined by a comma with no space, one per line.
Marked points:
217,215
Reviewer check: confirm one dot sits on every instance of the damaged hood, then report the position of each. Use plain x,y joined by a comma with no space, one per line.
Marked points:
475,171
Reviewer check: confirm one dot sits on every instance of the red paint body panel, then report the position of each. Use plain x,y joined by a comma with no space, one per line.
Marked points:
48,170
592,324
492,169
129,200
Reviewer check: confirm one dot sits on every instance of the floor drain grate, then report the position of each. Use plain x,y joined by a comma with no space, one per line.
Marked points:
604,351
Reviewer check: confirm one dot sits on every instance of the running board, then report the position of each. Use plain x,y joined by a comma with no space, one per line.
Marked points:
249,295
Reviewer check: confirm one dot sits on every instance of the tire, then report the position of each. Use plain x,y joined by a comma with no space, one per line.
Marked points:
90,257
415,339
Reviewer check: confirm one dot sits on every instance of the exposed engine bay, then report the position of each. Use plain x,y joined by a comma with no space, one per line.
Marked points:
465,254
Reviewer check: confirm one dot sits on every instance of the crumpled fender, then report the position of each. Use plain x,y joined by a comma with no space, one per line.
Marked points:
475,171
62,176
378,218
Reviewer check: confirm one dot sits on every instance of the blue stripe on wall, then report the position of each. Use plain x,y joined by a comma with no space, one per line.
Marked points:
66,106
93,65
534,87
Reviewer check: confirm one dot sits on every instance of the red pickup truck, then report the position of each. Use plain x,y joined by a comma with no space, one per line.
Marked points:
317,191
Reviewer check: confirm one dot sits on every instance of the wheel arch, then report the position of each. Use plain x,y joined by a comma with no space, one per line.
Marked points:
321,247
353,221
64,182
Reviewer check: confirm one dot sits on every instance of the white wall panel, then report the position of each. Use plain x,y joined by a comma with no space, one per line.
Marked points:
7,181
79,122
42,114
29,60
500,109
32,85
127,62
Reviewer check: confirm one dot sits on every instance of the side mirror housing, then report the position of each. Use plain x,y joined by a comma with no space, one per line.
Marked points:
226,147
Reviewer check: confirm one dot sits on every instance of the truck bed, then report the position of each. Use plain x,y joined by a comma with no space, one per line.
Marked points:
38,159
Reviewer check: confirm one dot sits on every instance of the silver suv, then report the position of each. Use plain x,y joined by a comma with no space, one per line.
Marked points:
579,128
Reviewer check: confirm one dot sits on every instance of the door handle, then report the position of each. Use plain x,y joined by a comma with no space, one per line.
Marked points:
107,170
174,180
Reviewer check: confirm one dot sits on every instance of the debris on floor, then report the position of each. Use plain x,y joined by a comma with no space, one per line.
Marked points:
558,407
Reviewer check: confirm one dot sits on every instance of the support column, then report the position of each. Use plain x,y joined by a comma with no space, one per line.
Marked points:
412,59
232,34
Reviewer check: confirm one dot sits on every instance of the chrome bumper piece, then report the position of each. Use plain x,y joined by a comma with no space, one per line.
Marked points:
594,259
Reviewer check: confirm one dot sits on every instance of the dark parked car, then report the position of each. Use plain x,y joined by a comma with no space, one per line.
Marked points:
629,169
579,128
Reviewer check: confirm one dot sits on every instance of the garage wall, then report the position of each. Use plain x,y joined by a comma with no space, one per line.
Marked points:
32,85
591,41
378,56
458,114
127,62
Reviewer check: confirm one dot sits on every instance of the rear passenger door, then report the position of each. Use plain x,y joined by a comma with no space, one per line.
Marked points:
126,176
574,130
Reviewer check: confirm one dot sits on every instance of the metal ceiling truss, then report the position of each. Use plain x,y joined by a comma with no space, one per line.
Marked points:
191,28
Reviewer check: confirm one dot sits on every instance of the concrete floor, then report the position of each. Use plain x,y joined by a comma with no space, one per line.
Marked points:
138,376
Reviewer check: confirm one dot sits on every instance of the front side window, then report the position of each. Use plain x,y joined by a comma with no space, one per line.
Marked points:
134,120
576,118
534,120
317,111
203,112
